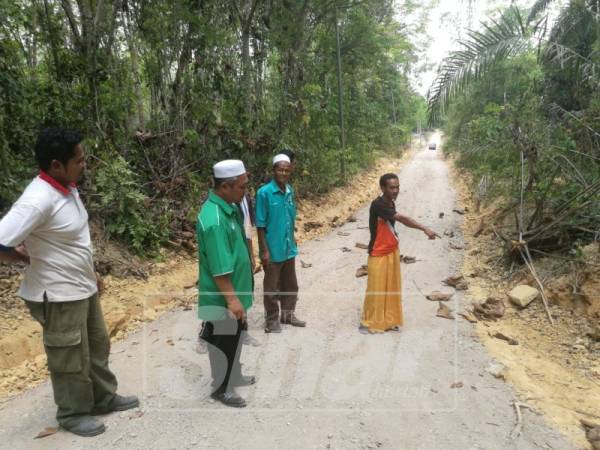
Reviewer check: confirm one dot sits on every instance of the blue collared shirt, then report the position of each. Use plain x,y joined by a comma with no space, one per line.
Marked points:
276,213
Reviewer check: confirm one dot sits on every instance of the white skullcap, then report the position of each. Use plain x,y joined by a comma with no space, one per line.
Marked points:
229,168
281,157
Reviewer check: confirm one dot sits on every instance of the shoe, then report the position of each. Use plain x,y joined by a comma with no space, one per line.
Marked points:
243,380
249,340
291,319
273,326
229,398
118,403
121,403
365,330
85,426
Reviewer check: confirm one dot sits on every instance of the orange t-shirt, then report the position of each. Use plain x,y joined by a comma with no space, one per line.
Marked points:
386,241
381,225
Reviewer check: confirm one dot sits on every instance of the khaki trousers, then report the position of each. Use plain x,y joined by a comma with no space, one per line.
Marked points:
77,345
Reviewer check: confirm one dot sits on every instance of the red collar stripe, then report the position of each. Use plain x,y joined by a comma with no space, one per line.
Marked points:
55,184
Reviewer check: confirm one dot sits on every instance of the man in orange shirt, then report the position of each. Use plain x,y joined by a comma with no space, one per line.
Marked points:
382,309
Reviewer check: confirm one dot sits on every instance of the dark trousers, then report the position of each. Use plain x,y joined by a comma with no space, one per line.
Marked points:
224,349
77,346
280,286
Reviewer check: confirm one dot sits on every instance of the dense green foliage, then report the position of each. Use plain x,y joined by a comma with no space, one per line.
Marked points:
520,105
163,89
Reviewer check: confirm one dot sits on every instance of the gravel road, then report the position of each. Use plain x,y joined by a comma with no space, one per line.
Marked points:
325,386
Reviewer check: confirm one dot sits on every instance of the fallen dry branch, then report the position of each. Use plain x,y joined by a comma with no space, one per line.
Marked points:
529,263
519,425
480,229
504,337
48,431
566,210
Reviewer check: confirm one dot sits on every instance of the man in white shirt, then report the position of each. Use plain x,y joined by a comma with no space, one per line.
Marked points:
47,228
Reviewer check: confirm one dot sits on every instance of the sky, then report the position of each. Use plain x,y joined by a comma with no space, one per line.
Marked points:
446,22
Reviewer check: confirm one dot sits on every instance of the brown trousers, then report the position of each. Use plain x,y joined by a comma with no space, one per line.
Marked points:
280,285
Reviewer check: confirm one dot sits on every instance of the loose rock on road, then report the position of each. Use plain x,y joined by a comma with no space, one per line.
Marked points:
325,386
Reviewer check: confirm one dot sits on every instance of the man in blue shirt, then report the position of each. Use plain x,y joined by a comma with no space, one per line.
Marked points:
275,218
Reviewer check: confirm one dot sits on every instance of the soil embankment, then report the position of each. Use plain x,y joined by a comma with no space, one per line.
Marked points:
554,368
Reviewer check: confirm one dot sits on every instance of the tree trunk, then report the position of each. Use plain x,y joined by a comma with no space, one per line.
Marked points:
259,61
245,13
52,39
246,68
32,44
135,69
292,72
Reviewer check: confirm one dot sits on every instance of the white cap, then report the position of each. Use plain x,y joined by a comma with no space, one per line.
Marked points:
281,157
229,168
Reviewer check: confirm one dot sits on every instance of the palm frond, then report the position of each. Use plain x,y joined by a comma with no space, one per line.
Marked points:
576,14
538,8
564,55
571,40
497,41
558,110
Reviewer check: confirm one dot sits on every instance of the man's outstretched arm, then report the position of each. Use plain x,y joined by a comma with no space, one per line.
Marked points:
412,223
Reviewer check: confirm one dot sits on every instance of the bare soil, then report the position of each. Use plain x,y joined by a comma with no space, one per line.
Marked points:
126,304
555,368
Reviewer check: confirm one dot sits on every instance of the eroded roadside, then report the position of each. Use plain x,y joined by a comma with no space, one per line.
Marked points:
554,368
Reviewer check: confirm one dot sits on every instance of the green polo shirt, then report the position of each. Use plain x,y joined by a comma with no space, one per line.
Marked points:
222,250
276,213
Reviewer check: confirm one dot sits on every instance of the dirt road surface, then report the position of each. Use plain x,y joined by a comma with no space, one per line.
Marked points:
325,386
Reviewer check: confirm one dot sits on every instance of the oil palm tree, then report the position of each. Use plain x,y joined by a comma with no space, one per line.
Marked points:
569,43
567,48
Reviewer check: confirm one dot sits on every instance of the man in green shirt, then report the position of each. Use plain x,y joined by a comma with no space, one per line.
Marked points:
275,218
225,280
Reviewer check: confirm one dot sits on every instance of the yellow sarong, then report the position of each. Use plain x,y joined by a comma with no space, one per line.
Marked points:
382,309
